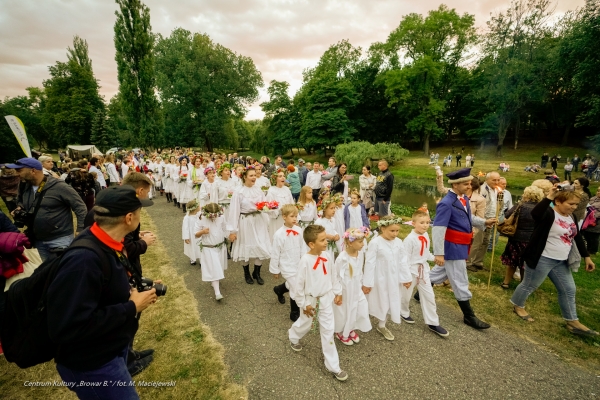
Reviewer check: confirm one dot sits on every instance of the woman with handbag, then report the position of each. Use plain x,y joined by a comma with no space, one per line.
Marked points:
591,233
367,185
550,253
518,226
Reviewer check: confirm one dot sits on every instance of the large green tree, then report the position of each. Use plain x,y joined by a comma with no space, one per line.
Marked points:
71,97
202,85
281,115
134,43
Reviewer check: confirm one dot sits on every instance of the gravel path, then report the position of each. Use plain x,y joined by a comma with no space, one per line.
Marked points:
252,326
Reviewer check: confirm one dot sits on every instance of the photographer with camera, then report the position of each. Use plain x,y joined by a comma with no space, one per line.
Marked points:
44,205
93,314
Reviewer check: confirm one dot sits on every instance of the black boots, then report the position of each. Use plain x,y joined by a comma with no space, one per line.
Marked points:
294,310
470,318
249,280
183,206
280,290
256,275
417,297
168,197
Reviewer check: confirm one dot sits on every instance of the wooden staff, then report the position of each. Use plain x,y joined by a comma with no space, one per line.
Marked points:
499,204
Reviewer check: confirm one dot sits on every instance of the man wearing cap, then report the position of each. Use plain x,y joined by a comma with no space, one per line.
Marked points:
452,234
52,227
93,315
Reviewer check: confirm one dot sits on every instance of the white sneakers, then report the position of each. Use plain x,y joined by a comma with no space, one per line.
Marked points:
386,333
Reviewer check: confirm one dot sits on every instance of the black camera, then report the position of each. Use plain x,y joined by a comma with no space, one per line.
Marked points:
146,284
564,186
22,218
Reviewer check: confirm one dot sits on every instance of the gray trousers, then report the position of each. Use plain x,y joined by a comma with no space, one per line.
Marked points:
456,272
479,248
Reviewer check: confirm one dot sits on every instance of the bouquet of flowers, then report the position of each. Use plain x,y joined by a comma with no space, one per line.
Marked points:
267,205
229,194
265,189
299,206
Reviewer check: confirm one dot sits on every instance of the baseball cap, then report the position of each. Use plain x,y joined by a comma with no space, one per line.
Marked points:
26,162
120,200
300,160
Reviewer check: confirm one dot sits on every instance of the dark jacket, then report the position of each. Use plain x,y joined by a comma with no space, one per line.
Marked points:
384,185
337,184
54,218
90,322
526,224
6,224
543,216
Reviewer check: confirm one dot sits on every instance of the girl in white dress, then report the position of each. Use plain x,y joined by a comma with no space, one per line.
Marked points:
386,273
211,232
262,181
209,192
355,214
175,184
353,313
329,205
280,193
307,207
167,181
188,232
185,192
237,175
195,178
338,218
225,187
249,227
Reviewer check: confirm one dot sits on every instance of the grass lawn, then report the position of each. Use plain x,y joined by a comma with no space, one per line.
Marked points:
185,351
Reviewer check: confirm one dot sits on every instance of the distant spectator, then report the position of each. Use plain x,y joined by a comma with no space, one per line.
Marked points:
554,163
575,162
458,158
545,159
568,169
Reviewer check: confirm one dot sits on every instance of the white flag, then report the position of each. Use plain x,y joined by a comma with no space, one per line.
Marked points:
19,130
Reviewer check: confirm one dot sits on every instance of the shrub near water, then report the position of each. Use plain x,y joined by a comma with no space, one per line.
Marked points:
355,154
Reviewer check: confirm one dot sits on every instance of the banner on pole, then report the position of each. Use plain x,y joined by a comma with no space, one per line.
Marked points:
19,130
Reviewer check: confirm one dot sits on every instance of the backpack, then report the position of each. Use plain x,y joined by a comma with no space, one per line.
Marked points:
24,324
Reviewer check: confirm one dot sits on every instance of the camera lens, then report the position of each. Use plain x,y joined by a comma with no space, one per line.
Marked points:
161,289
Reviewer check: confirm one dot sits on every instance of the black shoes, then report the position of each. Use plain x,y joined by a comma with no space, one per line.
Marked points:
279,293
184,210
294,310
256,275
469,316
438,330
417,297
139,365
247,276
138,355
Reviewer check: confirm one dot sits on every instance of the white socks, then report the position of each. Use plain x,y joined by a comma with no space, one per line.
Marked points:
215,285
382,323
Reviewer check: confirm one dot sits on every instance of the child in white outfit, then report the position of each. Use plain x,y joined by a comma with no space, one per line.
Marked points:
386,274
188,234
315,291
417,245
211,230
354,311
286,252
329,206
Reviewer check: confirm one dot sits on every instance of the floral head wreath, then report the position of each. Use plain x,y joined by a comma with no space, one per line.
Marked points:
388,222
193,206
326,201
274,175
208,169
222,167
212,215
353,234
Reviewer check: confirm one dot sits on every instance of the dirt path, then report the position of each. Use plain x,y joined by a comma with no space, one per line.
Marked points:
252,326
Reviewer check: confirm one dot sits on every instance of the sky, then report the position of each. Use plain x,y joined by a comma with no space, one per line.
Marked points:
283,37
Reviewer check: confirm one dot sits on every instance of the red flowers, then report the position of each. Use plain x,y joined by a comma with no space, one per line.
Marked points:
267,205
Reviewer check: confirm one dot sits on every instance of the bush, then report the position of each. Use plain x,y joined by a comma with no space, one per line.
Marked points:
357,154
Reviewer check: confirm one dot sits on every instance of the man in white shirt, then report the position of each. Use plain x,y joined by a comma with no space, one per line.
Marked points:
313,179
125,167
99,175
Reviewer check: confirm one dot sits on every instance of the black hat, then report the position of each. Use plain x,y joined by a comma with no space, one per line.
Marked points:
119,200
462,175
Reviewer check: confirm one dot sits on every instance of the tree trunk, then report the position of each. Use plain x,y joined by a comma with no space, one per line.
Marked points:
426,144
482,143
565,138
502,129
292,151
209,146
517,130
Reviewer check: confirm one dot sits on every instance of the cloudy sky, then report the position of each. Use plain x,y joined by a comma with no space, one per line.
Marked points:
282,36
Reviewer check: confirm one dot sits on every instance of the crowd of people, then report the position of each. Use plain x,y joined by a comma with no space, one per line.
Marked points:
310,221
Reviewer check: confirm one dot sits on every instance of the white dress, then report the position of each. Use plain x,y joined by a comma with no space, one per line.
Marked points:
252,227
208,193
329,225
262,181
340,226
354,311
386,268
185,191
197,173
225,191
308,213
355,216
212,259
187,232
167,181
283,196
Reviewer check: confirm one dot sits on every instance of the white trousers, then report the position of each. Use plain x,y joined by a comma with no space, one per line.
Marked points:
427,299
326,326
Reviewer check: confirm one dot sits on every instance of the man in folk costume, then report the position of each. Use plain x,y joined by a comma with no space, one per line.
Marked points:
452,234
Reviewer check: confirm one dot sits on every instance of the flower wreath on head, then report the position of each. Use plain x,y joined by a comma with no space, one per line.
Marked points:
327,200
391,221
212,215
193,206
353,234
222,167
273,178
207,170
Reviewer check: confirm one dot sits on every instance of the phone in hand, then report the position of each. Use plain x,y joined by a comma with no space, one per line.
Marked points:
349,177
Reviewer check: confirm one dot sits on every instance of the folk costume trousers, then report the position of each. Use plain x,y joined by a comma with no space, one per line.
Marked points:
427,299
456,272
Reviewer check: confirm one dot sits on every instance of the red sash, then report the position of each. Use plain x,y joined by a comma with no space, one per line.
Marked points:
457,237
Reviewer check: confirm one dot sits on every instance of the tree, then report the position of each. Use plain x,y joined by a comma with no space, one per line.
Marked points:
116,125
202,86
358,154
100,136
135,70
279,115
71,97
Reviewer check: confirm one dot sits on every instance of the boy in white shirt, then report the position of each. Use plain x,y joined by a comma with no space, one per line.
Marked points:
417,245
285,256
315,289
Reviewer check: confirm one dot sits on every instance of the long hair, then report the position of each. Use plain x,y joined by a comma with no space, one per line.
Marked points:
305,189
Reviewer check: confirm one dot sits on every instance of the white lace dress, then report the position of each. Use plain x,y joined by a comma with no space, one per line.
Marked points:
283,196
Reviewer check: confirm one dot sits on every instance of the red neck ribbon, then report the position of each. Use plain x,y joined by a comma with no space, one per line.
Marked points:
291,231
423,241
322,260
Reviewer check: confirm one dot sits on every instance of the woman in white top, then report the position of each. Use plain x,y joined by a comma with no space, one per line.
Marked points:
209,190
261,180
367,186
281,194
249,227
113,175
225,187
184,192
195,179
